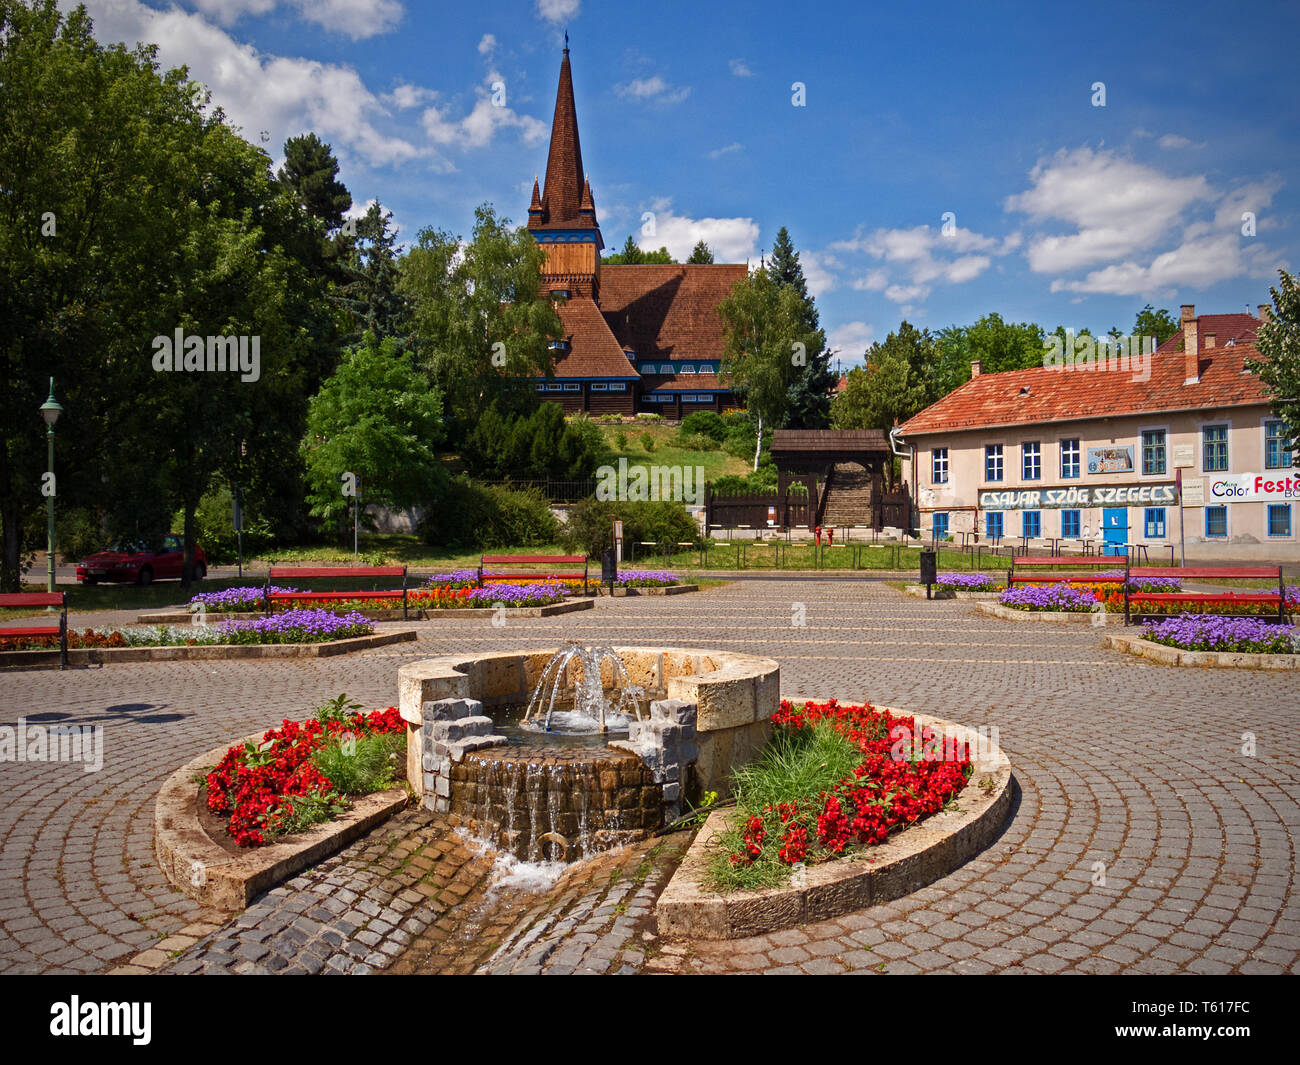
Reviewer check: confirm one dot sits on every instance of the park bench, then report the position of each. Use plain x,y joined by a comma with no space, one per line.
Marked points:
1053,561
59,599
1210,573
327,573
533,560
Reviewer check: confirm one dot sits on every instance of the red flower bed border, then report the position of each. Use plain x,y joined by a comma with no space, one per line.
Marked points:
888,790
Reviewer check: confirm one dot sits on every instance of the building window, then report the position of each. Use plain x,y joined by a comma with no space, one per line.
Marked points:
939,465
993,525
1153,451
1069,459
648,367
706,367
940,525
1214,449
666,367
555,388
1031,524
1031,462
1071,526
1216,521
597,387
618,388
558,345
993,462
687,367
541,388
1153,523
1277,456
1279,519
572,387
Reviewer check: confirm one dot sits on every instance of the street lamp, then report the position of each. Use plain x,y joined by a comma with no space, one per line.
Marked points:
50,411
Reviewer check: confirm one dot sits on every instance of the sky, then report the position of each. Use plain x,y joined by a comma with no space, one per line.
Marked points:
1062,163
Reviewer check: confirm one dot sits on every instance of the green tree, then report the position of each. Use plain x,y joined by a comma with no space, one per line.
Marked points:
369,293
1152,323
701,254
810,389
376,419
632,255
767,338
891,387
482,326
1278,365
995,344
310,173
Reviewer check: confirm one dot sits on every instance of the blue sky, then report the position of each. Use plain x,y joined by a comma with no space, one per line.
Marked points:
1060,211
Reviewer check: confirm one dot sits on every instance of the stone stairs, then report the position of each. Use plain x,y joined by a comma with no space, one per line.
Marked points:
848,496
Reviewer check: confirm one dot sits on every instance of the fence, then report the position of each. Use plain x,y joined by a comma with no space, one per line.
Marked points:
554,491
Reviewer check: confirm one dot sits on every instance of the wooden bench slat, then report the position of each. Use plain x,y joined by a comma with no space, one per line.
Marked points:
1204,597
1069,560
15,599
396,593
44,630
325,572
491,560
1206,572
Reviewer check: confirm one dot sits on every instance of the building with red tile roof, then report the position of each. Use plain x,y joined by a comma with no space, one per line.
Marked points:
636,338
1096,451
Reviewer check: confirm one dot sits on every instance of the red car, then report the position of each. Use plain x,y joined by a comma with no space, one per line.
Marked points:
134,562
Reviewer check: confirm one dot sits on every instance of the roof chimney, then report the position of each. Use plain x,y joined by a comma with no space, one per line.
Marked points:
1210,338
975,368
1188,312
1265,312
1191,361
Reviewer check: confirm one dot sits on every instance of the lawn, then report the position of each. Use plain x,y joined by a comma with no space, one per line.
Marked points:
666,452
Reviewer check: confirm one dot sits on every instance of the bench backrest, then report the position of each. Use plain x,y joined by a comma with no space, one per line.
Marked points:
1069,560
326,572
502,560
15,599
1209,572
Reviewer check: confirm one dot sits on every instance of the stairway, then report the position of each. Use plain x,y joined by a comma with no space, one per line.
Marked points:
848,496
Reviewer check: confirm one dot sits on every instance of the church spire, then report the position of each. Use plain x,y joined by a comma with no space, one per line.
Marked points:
562,193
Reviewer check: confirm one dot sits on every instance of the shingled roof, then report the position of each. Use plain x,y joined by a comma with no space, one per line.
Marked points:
563,194
668,312
1042,395
1225,328
593,351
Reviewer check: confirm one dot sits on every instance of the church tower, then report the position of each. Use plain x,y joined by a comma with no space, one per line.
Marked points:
562,215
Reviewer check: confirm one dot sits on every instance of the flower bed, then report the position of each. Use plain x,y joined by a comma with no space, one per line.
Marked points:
645,578
1055,597
302,773
1199,632
833,780
235,600
970,582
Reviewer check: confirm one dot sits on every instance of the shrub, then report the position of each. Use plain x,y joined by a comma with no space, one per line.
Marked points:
705,423
696,442
534,446
647,442
473,515
591,523
214,527
648,417
76,533
620,441
358,766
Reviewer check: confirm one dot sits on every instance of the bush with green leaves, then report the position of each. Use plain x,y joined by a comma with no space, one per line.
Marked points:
696,442
647,442
534,446
214,527
363,764
475,516
705,423
590,525
620,441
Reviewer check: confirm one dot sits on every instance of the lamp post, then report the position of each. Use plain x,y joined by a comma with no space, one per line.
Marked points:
50,411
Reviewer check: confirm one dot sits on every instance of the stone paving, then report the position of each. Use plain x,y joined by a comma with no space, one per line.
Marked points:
1144,840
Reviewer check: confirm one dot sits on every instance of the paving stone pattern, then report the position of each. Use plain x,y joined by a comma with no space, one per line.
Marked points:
1143,839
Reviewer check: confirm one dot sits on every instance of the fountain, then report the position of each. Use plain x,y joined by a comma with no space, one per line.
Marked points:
526,745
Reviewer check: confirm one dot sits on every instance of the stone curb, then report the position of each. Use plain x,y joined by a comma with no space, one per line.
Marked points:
914,859
667,589
413,613
1075,617
1176,656
917,591
197,866
89,656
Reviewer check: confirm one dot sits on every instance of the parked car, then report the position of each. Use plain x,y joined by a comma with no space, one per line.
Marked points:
136,562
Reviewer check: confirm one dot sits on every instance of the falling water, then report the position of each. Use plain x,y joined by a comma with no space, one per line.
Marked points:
591,710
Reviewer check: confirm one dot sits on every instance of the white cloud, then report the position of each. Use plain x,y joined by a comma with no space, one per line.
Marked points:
282,95
487,44
653,89
731,239
851,339
817,271
727,149
1138,231
919,257
406,96
1118,207
740,69
558,10
357,19
1171,141
485,119
228,12
872,281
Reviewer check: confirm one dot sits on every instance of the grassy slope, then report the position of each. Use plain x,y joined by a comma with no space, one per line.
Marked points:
666,453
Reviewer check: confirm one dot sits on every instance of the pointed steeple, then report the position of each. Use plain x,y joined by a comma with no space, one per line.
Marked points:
586,205
535,210
563,190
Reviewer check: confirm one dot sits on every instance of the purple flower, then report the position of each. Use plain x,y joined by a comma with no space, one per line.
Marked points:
975,582
645,578
517,595
1212,632
1050,597
235,599
296,626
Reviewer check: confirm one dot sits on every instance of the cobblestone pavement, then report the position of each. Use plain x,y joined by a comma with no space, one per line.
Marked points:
1144,839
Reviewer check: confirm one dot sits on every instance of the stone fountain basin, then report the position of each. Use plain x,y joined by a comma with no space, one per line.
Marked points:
735,695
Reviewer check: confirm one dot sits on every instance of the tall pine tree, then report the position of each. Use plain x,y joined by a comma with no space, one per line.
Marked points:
809,395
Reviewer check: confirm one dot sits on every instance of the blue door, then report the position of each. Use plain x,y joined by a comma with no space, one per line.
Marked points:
1114,522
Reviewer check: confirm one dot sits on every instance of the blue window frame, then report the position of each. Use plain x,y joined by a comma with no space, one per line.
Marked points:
598,386
1153,523
1069,459
1031,523
940,525
572,386
939,466
1216,521
1071,526
993,462
993,525
1153,451
1031,461
1277,456
618,388
1214,448
1279,519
